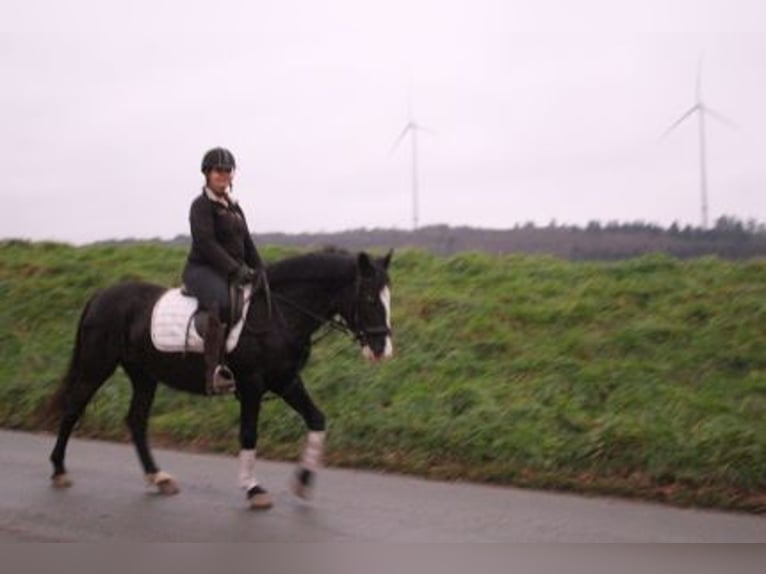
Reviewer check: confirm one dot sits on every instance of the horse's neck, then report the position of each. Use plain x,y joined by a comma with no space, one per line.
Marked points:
315,283
310,306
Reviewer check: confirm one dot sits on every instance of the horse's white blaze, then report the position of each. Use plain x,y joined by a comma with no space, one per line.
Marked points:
312,453
385,298
388,349
247,478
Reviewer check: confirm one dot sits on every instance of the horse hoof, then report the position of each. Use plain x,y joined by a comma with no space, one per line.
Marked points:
165,483
168,487
301,491
259,499
303,483
61,481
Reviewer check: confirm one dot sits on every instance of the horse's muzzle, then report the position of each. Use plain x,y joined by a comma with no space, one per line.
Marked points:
378,355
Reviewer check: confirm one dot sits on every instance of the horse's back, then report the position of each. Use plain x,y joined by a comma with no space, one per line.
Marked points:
127,298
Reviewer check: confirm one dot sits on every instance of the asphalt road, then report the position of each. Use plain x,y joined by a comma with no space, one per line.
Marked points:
110,502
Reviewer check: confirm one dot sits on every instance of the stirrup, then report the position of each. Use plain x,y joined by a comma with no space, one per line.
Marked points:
223,381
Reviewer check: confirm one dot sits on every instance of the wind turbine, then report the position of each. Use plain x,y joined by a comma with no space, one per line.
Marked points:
412,128
702,111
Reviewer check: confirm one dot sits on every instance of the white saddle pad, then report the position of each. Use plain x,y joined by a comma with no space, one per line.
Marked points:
171,319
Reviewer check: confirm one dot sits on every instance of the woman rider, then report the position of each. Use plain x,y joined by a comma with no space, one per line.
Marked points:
222,253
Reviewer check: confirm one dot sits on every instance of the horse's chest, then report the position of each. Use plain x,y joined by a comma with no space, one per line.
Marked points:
285,360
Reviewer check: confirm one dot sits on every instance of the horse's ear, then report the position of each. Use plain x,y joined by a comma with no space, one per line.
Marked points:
364,264
387,259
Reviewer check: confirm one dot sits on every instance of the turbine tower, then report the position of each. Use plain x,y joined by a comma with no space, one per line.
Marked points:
412,128
702,111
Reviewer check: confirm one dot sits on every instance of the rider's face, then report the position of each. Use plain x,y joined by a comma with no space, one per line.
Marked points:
219,179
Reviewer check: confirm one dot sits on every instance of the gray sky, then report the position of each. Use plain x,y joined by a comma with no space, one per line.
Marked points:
542,109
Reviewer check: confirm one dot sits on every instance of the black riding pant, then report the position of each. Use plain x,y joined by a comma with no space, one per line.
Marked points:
209,287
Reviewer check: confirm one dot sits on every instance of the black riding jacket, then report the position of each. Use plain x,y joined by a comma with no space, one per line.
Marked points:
220,237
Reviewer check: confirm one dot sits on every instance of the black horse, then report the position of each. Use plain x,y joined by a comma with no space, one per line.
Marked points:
307,292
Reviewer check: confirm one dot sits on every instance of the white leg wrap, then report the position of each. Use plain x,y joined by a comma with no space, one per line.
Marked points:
312,454
247,478
158,477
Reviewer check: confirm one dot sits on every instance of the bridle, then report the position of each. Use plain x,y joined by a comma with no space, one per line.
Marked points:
358,331
364,332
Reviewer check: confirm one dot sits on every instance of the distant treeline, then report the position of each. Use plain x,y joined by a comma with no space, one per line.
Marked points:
729,238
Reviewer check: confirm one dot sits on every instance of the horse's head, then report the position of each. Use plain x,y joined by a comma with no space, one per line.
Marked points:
368,312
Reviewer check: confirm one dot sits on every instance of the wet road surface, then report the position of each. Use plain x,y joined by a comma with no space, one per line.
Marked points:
110,502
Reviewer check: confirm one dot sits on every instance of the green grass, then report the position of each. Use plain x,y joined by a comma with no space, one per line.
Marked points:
644,377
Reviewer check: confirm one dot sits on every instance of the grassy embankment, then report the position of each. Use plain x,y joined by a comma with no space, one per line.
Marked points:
643,378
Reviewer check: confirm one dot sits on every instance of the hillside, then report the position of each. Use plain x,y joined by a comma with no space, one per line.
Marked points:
644,377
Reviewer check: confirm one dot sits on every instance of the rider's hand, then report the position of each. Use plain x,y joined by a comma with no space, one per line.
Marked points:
244,275
262,280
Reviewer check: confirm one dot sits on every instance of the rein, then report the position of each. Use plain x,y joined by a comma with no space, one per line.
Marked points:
333,323
358,334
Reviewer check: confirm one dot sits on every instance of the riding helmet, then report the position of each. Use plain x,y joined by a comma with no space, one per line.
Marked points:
218,157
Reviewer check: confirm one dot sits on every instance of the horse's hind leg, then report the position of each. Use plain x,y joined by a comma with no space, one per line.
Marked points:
74,406
91,367
144,387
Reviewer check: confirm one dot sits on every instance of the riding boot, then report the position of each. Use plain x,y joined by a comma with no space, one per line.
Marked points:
218,377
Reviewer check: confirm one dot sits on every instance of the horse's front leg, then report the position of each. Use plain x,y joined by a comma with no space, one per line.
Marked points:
250,395
298,398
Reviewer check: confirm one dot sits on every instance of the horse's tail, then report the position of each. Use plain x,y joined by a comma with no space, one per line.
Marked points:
55,407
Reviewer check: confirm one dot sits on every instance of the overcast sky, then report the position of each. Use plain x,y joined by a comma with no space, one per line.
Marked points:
541,110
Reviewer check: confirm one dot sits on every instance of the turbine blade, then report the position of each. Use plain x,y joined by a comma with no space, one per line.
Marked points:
407,128
698,93
720,117
409,102
679,121
424,129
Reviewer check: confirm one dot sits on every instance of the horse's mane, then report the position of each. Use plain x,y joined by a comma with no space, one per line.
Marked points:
326,265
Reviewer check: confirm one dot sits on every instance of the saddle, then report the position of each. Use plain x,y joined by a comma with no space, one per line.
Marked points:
237,305
178,324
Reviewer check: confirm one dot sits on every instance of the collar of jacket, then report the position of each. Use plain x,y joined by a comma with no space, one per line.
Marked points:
228,201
